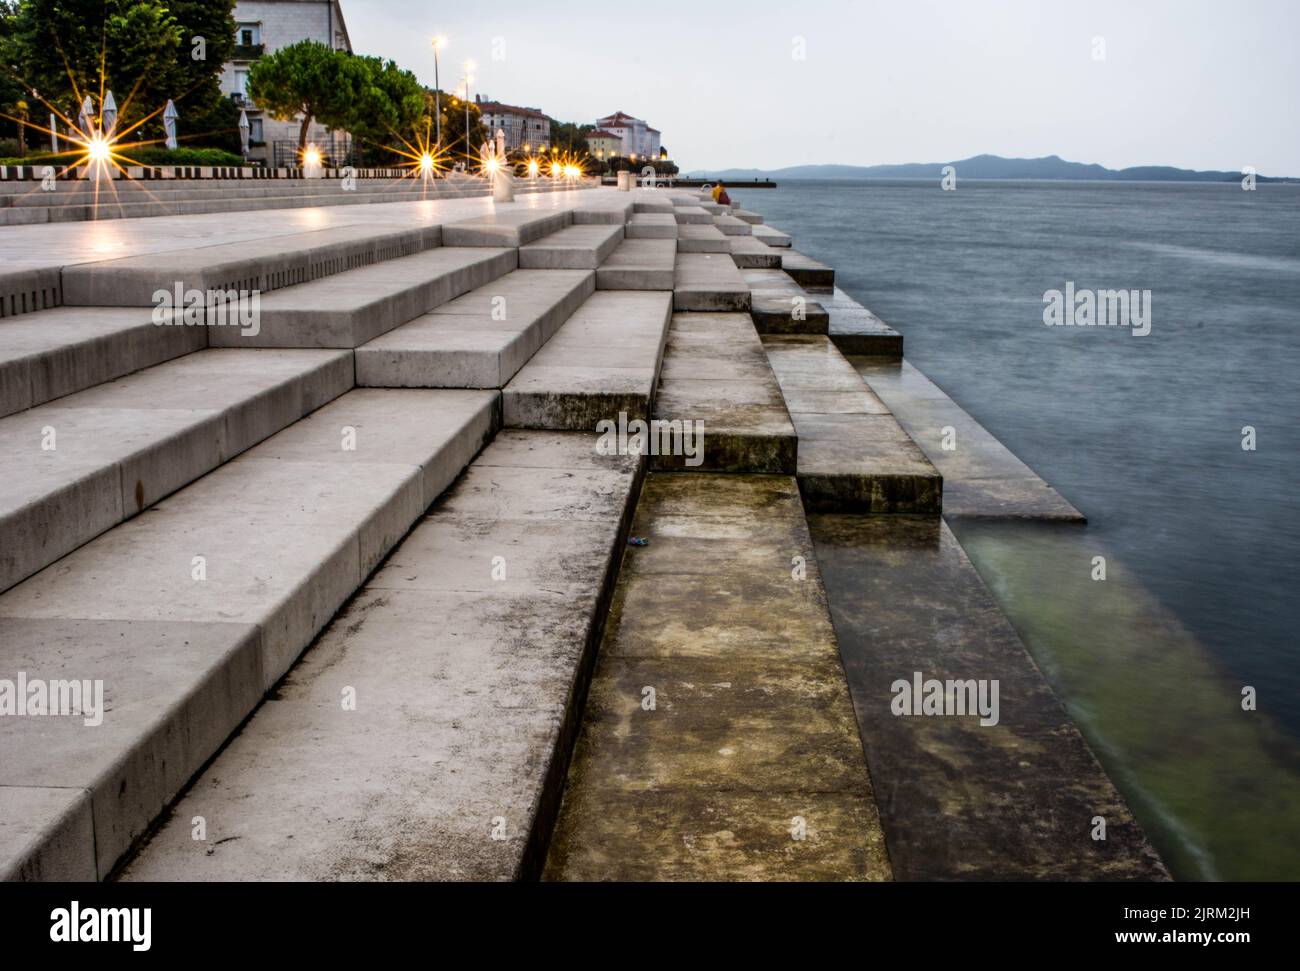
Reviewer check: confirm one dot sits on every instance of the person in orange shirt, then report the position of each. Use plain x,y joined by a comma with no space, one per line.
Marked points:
720,195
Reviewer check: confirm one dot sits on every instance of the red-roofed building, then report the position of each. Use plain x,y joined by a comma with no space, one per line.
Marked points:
525,128
637,138
604,144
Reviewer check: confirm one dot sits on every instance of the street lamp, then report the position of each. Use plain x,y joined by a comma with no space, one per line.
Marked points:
438,42
469,79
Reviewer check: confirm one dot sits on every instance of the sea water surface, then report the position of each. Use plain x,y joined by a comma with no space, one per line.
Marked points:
1144,435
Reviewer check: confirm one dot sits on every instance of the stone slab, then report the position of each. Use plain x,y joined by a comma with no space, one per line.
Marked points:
731,226
692,214
579,247
652,225
694,238
639,264
461,780
770,235
511,224
807,272
856,330
603,362
46,835
750,254
709,282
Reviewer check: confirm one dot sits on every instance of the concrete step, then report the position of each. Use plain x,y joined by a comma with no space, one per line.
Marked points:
712,208
185,648
582,247
807,272
781,306
753,218
120,447
602,363
513,224
479,340
749,254
746,763
653,202
731,226
770,236
716,380
708,281
856,330
982,479
603,209
693,238
349,309
652,225
853,455
907,604
639,264
257,264
490,610
692,214
51,353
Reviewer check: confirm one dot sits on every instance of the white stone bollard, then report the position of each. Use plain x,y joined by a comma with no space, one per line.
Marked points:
625,181
503,186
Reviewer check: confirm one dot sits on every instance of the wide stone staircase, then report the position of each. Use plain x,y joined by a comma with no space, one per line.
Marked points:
371,594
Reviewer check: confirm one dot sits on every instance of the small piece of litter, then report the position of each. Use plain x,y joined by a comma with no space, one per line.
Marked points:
637,541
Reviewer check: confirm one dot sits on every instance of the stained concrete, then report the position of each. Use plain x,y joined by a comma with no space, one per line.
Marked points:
807,272
779,305
479,340
749,254
709,282
46,835
602,362
52,353
693,238
287,532
582,247
349,309
467,691
982,478
715,372
692,214
856,330
652,225
962,801
122,446
852,457
639,264
771,236
731,226
515,224
750,743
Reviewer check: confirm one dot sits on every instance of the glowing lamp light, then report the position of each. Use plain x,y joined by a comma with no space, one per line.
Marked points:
492,166
311,157
98,149
533,168
426,164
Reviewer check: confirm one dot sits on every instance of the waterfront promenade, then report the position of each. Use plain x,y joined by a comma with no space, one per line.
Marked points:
372,590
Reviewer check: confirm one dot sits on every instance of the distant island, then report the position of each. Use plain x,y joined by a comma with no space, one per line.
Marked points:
986,167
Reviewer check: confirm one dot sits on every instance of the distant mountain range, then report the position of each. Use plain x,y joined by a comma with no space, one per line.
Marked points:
984,167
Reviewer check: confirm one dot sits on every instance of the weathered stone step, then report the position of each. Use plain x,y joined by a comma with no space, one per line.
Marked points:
1013,798
781,306
856,330
749,254
84,463
807,272
711,207
652,225
510,225
490,610
982,479
731,226
603,362
752,218
582,247
693,238
853,454
258,264
603,209
770,235
646,202
51,353
190,613
719,741
479,340
349,309
692,214
639,264
708,281
717,385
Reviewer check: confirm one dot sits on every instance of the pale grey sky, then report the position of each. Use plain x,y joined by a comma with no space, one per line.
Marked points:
1206,84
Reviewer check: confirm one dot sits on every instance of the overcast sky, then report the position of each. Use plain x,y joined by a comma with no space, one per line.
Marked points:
1192,83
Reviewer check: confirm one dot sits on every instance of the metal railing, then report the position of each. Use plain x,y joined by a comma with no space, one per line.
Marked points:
335,152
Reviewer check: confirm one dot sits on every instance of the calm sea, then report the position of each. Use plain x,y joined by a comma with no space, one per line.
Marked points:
1144,435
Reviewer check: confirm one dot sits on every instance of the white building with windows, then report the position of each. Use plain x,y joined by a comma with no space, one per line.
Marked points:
526,129
263,26
638,138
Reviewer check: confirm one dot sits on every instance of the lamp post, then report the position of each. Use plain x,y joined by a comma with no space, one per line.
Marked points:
437,93
469,79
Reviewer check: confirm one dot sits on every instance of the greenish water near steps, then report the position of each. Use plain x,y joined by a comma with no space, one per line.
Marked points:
1143,435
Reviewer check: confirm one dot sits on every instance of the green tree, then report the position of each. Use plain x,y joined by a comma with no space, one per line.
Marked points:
310,81
389,110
